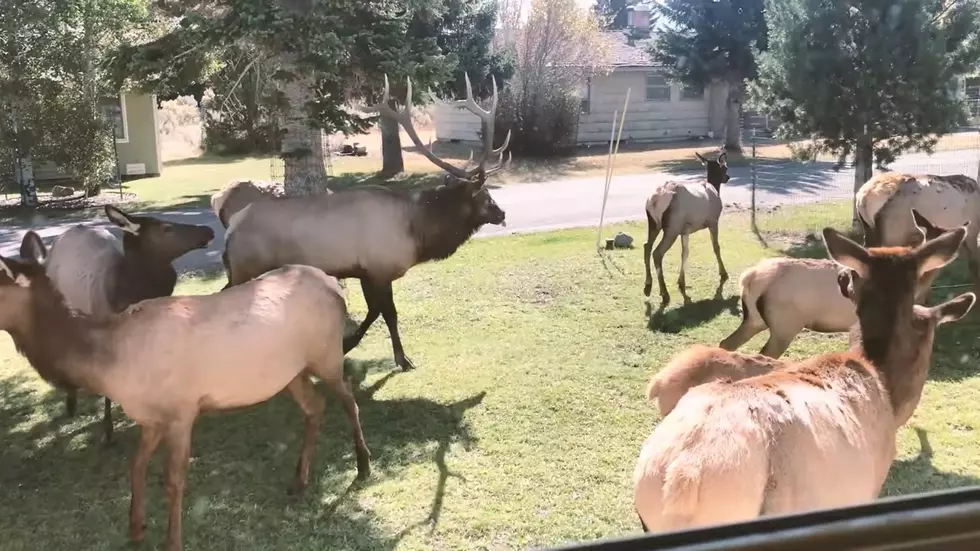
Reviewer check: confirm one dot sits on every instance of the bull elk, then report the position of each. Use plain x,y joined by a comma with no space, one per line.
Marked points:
810,435
372,233
167,360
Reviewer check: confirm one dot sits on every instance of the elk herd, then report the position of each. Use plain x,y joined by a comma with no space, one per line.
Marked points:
742,435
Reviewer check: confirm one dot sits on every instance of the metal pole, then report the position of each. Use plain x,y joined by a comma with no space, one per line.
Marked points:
612,137
612,161
752,164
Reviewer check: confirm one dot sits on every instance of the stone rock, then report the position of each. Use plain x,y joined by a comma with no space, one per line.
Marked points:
623,241
62,191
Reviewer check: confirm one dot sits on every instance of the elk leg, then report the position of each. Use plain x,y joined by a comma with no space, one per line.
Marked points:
652,230
779,339
666,242
178,438
390,315
374,310
681,282
149,440
973,260
107,421
342,389
312,404
745,331
722,272
71,402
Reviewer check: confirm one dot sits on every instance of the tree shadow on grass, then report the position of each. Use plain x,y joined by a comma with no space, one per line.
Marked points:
690,314
911,476
63,489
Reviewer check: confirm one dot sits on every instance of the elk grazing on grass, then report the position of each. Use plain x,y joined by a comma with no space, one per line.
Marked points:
167,360
810,435
787,295
98,277
680,209
372,233
884,201
234,196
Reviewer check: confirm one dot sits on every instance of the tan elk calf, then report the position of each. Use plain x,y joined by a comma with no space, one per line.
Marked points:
372,233
787,295
680,209
884,201
815,434
237,194
167,360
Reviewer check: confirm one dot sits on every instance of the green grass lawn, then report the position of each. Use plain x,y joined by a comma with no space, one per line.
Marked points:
520,427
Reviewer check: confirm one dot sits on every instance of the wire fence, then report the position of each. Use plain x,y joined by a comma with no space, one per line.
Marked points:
787,186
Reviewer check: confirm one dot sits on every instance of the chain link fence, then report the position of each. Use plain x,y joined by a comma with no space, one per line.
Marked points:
787,188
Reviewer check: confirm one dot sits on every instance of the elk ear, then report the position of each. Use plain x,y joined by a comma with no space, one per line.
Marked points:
700,158
954,309
924,226
122,219
846,252
723,158
32,248
938,252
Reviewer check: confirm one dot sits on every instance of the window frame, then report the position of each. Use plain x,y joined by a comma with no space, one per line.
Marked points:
647,86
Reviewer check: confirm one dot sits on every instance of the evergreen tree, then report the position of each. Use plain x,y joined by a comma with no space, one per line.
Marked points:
872,77
712,41
612,13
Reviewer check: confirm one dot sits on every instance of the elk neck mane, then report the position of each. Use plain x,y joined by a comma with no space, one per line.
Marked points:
59,341
442,220
142,275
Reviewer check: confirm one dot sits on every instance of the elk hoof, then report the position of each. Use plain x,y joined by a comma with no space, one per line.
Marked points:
296,488
664,299
137,534
363,468
647,287
404,363
724,276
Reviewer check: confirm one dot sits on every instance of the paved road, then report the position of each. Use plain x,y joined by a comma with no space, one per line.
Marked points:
576,203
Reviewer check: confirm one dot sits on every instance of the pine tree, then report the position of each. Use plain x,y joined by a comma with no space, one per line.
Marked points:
710,41
872,77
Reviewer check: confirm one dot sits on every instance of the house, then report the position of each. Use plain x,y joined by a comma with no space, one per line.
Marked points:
137,133
658,110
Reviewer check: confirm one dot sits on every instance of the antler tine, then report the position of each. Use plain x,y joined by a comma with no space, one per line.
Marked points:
404,117
503,147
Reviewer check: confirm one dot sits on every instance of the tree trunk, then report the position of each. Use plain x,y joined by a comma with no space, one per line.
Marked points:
23,166
391,145
733,124
304,170
863,171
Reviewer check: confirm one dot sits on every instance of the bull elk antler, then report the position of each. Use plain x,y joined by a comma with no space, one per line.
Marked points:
404,117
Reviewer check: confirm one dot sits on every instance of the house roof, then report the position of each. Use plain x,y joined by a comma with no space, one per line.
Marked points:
622,54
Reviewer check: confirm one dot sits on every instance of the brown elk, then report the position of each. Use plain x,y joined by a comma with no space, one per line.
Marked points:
815,434
233,197
372,233
680,209
787,295
98,277
884,201
167,360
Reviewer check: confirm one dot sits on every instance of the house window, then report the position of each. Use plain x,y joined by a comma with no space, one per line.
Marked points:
114,110
584,97
658,89
692,92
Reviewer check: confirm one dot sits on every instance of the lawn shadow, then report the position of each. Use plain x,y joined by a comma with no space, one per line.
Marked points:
690,314
911,476
64,488
214,160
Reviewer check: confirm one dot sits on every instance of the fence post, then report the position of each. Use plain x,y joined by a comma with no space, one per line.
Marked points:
755,227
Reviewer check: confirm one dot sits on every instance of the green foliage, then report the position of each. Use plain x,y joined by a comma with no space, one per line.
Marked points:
891,66
346,44
51,82
612,13
708,40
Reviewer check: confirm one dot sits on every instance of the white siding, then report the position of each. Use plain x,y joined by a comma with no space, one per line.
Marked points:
645,120
453,123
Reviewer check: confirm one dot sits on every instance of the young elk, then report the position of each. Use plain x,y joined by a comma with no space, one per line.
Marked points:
787,295
97,276
680,209
815,434
372,233
884,201
167,360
